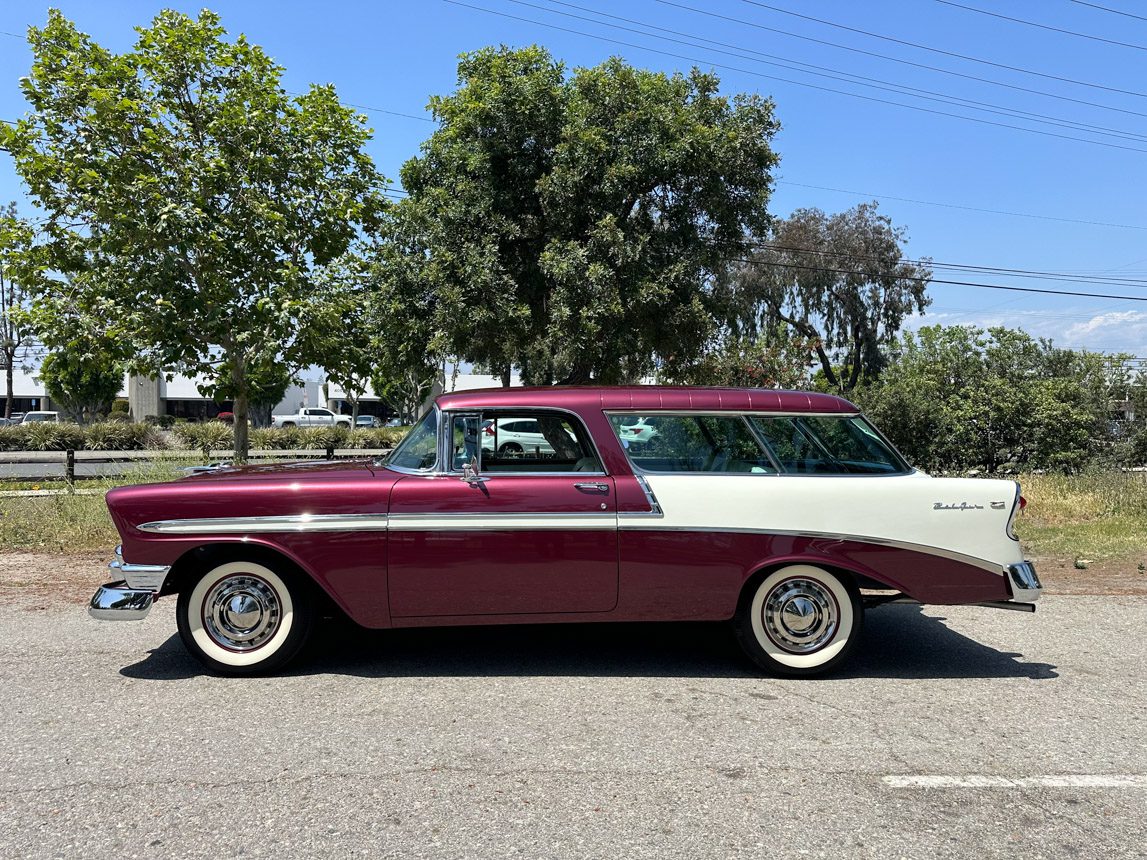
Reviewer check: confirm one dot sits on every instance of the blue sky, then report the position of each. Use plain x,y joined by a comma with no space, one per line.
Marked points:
393,56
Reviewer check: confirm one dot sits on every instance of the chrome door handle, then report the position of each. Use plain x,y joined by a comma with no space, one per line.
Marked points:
592,485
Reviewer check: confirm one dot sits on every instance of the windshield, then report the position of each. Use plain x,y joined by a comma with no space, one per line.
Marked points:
419,449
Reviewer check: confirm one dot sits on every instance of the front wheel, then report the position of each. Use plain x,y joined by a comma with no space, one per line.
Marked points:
799,620
244,618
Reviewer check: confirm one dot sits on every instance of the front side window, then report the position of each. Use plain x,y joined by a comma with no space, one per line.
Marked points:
522,442
692,443
419,448
828,444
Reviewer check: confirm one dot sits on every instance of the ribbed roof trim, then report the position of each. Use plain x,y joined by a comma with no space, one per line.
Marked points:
652,397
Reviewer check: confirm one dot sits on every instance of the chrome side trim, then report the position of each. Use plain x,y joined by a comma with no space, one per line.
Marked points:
633,522
116,602
604,520
250,525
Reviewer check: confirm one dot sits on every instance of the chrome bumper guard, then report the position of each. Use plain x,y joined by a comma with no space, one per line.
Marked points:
145,577
129,598
1023,582
116,601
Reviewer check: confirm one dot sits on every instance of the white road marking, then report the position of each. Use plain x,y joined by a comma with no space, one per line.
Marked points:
1071,780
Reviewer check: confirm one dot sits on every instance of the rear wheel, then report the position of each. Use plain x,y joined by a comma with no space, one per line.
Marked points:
244,618
286,425
510,449
799,620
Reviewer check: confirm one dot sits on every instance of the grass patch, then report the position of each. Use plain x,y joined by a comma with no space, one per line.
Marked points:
1093,515
71,523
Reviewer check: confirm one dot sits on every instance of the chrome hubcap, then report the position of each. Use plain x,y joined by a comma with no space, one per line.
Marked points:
800,615
241,612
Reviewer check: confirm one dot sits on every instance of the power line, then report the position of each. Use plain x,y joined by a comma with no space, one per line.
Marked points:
1042,26
889,58
952,283
944,52
798,83
1108,9
966,208
1129,283
831,73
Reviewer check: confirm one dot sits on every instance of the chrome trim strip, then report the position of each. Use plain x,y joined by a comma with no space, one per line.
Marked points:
632,522
116,602
604,520
248,525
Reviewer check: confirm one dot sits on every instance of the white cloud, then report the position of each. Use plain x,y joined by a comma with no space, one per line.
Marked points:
1073,328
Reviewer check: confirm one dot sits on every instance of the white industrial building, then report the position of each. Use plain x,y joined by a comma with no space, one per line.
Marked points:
180,396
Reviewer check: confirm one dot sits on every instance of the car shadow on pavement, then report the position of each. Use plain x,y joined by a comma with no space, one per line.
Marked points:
898,642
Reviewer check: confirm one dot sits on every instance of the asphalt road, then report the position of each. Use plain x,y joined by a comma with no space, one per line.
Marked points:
958,732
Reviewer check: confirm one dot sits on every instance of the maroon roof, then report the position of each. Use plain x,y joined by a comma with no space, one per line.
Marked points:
648,397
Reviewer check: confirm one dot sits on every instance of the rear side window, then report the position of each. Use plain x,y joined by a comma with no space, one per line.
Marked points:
693,443
827,445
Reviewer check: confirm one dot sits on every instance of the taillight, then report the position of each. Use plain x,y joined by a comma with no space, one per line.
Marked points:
1018,505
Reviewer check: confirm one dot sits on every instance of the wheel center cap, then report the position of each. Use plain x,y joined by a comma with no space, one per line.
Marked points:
799,614
243,611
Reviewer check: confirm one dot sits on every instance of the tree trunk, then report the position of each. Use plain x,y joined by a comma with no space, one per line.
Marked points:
506,376
8,402
241,407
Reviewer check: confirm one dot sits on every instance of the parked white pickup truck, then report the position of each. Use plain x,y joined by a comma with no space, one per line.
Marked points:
312,418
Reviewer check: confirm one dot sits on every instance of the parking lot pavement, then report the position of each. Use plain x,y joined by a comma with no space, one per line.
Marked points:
959,732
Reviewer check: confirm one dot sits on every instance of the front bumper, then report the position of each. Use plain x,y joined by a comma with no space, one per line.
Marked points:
130,598
116,601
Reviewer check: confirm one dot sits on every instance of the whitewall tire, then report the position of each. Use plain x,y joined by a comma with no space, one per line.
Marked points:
244,618
799,620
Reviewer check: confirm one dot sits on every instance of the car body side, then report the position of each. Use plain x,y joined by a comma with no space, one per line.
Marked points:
650,547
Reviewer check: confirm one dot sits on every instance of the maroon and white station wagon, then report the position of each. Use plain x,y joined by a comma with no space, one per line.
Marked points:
785,512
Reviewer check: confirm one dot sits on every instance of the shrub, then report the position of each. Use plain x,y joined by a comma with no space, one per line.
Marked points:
375,437
207,436
117,436
324,437
119,417
166,421
47,436
120,407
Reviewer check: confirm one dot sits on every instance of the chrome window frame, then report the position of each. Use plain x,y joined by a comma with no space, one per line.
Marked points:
445,429
744,414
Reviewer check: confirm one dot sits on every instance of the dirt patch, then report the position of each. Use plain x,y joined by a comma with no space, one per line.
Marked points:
41,580
1113,576
33,580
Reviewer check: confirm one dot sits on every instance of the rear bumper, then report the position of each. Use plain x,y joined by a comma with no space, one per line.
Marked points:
116,601
1023,582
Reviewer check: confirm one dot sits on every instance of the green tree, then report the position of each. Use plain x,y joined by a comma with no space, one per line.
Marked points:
206,195
17,269
840,281
82,379
576,224
959,397
776,358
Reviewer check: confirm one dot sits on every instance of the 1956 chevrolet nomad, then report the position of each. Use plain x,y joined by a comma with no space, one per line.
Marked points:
783,511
